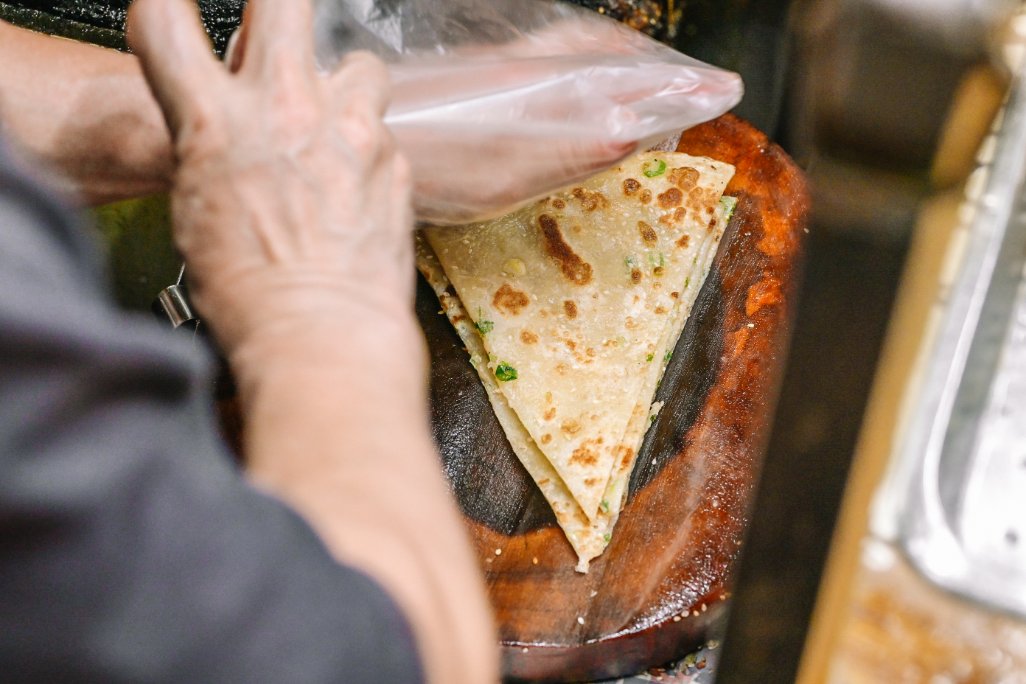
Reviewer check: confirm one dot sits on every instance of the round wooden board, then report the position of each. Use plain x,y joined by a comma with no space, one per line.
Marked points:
663,582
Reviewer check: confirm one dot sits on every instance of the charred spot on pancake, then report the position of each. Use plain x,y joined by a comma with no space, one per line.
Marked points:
683,177
679,214
573,267
658,271
528,337
570,427
671,198
550,414
660,310
683,241
548,397
584,455
570,307
630,323
590,481
562,368
711,226
510,300
636,276
570,344
699,198
625,454
590,351
631,186
675,295
557,203
646,196
590,201
648,233
546,438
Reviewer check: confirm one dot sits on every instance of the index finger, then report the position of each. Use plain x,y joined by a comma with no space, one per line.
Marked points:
175,53
278,31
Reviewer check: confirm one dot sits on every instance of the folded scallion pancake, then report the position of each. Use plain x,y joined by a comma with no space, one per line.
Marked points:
569,309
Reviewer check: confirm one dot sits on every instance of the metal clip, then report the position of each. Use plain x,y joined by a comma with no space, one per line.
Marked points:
172,303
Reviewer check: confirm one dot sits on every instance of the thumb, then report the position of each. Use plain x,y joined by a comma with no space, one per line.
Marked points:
176,56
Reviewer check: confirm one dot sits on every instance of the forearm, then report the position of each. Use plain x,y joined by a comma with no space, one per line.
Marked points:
337,426
85,112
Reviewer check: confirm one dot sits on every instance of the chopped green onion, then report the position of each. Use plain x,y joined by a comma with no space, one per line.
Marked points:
648,359
606,537
727,206
505,372
667,356
656,167
604,506
484,327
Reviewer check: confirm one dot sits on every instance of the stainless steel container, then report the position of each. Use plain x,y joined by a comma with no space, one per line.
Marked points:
955,499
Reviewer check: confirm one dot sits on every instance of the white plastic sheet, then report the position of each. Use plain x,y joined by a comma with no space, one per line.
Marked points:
498,102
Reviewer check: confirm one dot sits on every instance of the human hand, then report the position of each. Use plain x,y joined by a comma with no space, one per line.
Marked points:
291,203
291,207
471,173
487,127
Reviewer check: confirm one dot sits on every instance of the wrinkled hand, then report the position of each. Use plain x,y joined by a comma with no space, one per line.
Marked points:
291,203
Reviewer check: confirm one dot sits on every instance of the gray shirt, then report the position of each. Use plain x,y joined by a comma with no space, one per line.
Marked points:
131,549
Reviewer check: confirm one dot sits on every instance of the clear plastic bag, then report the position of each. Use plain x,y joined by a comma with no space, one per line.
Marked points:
497,102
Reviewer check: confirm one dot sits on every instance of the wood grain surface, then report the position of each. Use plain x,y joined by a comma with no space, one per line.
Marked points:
663,583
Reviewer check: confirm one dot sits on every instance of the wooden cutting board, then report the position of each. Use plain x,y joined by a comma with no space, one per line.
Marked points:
664,581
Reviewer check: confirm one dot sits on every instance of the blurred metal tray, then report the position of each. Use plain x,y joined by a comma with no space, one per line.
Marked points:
959,508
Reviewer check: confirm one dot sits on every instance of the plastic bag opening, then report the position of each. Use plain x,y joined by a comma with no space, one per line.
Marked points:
498,102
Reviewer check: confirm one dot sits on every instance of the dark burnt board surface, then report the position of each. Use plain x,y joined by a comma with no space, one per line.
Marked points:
662,584
103,21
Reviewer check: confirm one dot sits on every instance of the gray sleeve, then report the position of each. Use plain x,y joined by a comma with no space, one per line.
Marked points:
131,549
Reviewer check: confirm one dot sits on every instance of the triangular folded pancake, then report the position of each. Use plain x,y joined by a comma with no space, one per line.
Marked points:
569,308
